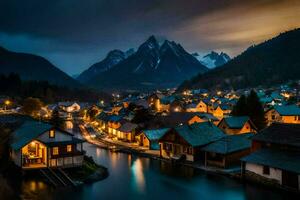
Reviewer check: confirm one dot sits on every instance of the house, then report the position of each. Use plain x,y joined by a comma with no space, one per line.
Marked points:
40,145
186,141
202,106
113,123
283,114
276,156
221,110
149,138
237,125
228,150
127,132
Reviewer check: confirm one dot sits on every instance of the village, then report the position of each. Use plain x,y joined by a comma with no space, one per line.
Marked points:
211,131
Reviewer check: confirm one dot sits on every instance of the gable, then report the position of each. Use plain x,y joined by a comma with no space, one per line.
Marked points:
59,137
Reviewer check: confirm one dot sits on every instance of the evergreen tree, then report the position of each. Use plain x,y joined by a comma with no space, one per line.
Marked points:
240,109
250,106
255,110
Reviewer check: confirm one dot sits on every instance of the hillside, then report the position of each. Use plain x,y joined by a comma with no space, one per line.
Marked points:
272,62
32,67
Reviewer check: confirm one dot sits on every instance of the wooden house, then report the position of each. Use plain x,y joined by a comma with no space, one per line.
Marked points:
275,157
186,141
228,151
202,106
127,131
149,138
40,145
237,125
283,114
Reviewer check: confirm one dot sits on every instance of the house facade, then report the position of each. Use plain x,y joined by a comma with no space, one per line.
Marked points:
283,114
186,141
40,145
237,125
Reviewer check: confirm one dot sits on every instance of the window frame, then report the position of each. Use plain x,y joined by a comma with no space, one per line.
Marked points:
69,148
54,152
50,133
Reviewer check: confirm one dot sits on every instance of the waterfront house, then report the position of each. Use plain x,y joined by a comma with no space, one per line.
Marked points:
237,125
283,114
39,145
227,151
127,132
186,141
113,123
276,156
149,138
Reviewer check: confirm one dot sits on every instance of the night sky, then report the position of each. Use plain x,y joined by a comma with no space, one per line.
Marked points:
73,34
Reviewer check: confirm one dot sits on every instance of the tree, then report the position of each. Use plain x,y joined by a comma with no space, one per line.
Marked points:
31,106
256,110
250,106
240,109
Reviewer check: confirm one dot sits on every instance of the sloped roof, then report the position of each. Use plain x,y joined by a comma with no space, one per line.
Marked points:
230,144
127,127
207,116
286,160
236,122
288,110
28,131
280,133
199,134
155,134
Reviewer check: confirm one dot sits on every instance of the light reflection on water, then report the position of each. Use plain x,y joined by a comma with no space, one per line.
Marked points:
133,177
138,175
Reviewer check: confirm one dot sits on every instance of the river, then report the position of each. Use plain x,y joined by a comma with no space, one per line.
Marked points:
133,177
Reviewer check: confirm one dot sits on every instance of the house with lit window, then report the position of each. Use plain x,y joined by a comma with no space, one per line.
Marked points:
185,142
276,156
202,106
237,125
40,145
149,138
283,114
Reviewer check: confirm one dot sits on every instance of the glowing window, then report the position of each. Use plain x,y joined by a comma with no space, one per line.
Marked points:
69,148
51,133
55,151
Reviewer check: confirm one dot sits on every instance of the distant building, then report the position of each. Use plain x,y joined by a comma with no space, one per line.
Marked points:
237,125
283,114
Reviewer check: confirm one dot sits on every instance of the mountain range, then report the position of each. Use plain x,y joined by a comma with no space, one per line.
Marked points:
272,62
213,59
153,65
32,67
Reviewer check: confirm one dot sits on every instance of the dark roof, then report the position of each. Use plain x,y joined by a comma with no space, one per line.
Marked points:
236,122
230,144
155,134
280,133
127,127
175,118
207,116
289,110
199,134
280,159
28,131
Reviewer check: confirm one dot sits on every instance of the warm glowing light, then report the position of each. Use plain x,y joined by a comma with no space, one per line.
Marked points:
7,102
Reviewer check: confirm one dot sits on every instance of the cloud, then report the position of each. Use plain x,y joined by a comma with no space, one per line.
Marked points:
87,30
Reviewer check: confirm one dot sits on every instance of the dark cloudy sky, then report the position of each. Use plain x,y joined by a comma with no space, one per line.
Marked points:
73,34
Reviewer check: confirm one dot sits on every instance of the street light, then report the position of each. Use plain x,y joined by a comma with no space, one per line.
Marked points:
6,103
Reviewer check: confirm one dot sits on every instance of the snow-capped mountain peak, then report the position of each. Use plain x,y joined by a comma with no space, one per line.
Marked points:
213,59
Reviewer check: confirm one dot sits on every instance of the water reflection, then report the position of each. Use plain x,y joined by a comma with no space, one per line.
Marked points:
138,175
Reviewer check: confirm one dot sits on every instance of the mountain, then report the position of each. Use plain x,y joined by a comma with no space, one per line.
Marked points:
271,62
152,66
112,58
213,59
32,67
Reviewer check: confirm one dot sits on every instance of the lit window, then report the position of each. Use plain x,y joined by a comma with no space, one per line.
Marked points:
55,151
51,133
69,148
